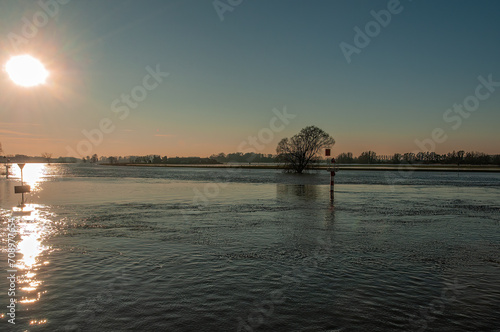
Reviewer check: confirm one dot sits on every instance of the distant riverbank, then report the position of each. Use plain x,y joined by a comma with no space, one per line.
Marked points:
400,167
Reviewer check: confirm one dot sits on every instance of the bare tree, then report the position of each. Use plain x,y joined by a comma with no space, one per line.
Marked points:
460,157
302,149
47,156
367,157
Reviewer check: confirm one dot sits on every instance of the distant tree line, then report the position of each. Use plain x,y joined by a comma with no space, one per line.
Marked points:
45,158
455,157
367,157
239,157
147,159
157,159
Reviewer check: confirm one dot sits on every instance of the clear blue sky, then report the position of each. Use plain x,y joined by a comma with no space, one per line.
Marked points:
226,77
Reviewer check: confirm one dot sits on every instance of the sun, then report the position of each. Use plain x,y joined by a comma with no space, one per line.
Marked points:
26,71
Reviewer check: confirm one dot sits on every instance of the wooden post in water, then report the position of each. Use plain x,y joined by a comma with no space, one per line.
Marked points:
332,184
332,174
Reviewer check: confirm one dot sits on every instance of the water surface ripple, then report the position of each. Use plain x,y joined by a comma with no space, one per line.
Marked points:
180,249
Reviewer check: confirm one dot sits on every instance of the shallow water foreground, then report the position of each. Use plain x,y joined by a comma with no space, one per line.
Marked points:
177,249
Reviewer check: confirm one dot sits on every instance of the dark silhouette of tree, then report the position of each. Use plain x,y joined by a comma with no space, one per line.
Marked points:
297,152
368,157
94,158
477,158
345,158
47,156
156,159
409,157
396,158
460,157
221,157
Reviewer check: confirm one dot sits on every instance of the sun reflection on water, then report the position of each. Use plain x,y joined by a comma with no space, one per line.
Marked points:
33,174
33,227
38,322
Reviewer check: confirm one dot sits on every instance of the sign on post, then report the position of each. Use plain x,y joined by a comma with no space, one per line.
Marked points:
22,189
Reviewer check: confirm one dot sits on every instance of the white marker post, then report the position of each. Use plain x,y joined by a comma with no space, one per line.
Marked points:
7,166
22,188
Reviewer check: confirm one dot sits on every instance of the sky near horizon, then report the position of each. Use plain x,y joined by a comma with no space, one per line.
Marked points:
195,77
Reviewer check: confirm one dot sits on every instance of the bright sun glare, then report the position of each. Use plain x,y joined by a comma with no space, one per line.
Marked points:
26,71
